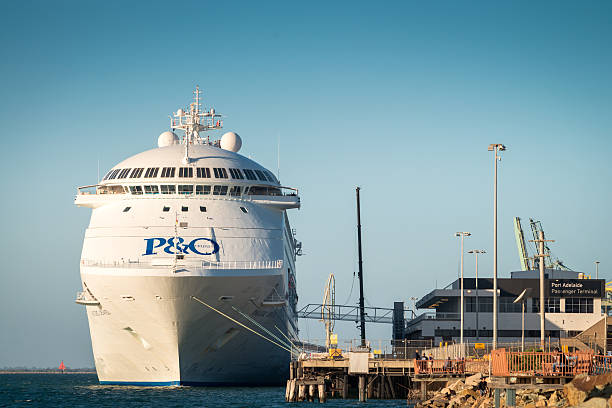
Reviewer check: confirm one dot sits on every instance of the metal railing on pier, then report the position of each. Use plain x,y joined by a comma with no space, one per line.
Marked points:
535,363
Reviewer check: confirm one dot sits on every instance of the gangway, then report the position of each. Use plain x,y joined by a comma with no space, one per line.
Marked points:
350,313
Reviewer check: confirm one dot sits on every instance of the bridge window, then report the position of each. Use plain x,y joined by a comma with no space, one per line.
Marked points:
261,175
203,172
126,209
184,208
220,190
151,189
220,172
235,191
166,209
114,174
136,189
185,189
236,174
202,190
202,209
123,173
185,171
250,174
137,172
151,172
168,172
107,175
271,177
168,189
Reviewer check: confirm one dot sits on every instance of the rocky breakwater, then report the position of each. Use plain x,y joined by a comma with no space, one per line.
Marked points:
586,391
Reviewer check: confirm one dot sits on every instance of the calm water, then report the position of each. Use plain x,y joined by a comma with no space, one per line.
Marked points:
83,390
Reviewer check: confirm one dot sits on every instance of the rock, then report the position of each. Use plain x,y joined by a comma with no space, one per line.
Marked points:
530,405
554,398
597,402
457,385
472,381
574,394
541,403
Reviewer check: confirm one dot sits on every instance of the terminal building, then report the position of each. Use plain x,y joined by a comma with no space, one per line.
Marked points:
573,307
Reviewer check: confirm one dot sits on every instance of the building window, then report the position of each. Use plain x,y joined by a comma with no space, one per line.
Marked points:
126,209
244,210
220,172
184,209
168,172
470,304
202,190
166,209
507,305
185,189
203,172
137,172
202,209
250,174
168,189
151,172
235,191
220,190
185,172
151,189
485,304
578,305
553,305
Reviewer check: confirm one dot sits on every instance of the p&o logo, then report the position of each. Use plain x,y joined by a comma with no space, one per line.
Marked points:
177,245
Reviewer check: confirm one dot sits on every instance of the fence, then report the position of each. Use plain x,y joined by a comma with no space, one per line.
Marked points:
439,367
509,363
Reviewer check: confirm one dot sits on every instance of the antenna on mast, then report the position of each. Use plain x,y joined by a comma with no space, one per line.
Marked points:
195,121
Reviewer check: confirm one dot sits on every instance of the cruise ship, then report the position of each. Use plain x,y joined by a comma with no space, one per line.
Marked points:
188,263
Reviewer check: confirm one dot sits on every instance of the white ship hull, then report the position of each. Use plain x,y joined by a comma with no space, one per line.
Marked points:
151,331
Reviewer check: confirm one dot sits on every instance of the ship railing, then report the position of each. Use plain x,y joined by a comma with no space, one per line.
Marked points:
276,264
273,264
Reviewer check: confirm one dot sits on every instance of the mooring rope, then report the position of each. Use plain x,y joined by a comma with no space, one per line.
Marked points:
237,322
249,318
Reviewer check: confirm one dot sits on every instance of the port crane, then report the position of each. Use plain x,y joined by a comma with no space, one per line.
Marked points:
531,263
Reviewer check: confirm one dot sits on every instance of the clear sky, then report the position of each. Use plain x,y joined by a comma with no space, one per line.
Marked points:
399,98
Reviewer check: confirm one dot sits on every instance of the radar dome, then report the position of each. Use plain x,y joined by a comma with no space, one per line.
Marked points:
167,138
231,141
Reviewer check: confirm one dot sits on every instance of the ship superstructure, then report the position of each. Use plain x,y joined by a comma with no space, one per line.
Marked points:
190,220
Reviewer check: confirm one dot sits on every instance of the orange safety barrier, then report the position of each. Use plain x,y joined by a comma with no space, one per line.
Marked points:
533,363
439,366
602,364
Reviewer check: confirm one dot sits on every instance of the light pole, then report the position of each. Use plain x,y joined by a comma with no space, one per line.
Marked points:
414,299
462,235
476,252
596,269
495,147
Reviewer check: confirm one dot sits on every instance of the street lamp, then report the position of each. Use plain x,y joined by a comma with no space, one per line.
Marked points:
462,235
596,269
495,147
476,252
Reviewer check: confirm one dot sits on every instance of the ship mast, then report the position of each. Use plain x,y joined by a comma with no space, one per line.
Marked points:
193,121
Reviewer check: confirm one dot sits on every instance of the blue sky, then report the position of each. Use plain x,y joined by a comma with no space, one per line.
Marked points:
399,98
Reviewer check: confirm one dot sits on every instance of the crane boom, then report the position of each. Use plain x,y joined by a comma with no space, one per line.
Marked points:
520,243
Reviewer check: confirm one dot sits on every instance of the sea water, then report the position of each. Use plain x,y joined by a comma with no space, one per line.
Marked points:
83,390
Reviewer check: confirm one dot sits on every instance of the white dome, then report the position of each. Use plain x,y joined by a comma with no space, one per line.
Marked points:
167,138
231,141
